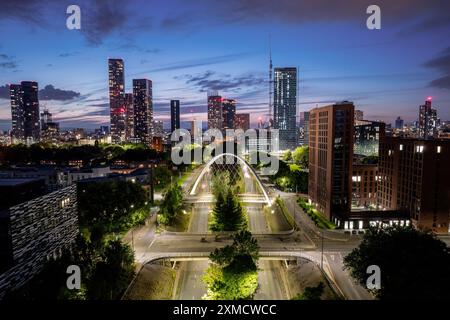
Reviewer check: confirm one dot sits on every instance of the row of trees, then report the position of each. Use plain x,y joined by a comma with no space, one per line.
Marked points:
233,274
111,206
96,154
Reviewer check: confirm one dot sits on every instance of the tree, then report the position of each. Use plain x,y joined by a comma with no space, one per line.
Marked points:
228,214
113,272
300,156
171,204
108,206
414,264
311,293
233,274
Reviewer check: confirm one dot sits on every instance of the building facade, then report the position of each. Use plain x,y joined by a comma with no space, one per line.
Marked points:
285,106
428,120
174,115
331,159
117,109
414,178
129,118
364,185
143,110
215,116
228,113
36,231
25,112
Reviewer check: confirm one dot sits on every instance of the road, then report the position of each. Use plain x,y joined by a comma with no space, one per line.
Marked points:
256,219
148,246
199,219
191,272
269,282
191,284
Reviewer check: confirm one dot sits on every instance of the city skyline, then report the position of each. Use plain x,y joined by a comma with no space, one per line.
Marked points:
378,70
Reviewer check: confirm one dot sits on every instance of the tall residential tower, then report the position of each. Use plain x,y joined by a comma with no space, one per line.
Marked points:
116,100
285,106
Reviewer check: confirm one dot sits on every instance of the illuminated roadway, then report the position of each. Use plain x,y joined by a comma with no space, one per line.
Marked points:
149,246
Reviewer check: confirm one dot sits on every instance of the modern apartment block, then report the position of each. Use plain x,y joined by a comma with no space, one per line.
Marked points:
414,178
116,75
364,185
285,106
174,115
215,112
428,120
228,113
331,130
143,110
33,232
25,126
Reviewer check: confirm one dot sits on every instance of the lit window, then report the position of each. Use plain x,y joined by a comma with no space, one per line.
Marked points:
401,147
419,149
439,149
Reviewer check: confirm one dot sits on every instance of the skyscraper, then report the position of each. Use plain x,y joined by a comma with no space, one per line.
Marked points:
285,106
399,123
129,120
158,129
215,116
331,130
228,113
46,117
428,121
143,110
25,112
17,114
174,115
116,100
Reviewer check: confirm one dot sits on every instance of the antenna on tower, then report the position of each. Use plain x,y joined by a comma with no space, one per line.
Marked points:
270,80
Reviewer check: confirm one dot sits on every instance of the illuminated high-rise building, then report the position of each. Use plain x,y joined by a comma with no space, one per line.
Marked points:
215,116
285,106
428,120
25,112
116,100
174,115
143,110
228,113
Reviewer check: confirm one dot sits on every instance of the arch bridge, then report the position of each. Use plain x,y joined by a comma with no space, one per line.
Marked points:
251,188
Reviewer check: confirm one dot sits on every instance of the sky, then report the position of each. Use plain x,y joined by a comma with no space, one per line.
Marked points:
190,47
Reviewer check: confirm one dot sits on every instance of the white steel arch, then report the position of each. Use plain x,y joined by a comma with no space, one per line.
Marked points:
210,162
